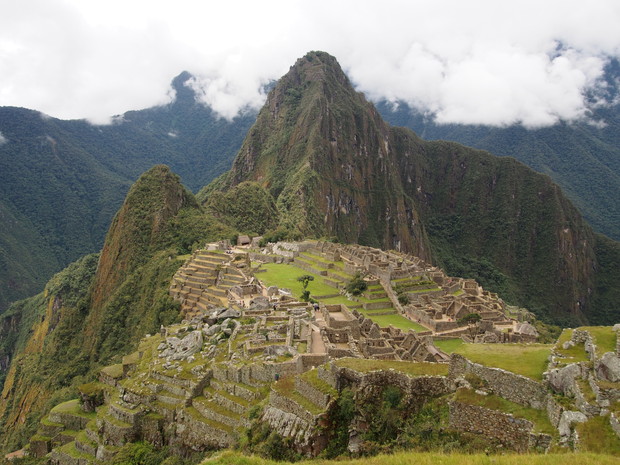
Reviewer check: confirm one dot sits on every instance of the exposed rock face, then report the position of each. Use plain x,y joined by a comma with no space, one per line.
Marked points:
567,420
180,349
562,380
608,368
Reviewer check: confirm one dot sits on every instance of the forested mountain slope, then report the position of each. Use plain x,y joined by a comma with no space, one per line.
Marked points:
62,181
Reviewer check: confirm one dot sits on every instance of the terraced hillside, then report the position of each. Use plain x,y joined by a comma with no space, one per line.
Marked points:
252,362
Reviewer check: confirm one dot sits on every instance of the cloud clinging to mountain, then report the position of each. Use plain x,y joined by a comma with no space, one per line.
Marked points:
479,62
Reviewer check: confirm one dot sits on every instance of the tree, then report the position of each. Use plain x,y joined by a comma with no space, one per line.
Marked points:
357,285
305,280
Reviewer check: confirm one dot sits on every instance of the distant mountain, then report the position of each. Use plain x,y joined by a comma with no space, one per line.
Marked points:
62,181
334,168
583,158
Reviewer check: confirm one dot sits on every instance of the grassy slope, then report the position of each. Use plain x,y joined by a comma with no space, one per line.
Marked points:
285,276
408,458
529,360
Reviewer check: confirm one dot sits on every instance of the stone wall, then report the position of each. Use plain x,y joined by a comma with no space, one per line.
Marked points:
288,405
311,393
306,362
370,385
194,433
554,411
328,375
614,421
510,386
515,433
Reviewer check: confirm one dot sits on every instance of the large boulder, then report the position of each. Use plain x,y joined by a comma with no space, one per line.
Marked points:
567,420
180,349
562,380
608,368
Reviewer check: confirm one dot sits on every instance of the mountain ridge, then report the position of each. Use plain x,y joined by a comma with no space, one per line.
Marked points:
61,182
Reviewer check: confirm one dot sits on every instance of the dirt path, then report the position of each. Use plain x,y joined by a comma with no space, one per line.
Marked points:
318,347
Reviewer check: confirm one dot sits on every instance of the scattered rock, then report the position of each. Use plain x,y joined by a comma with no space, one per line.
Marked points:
180,349
567,420
567,345
212,330
562,380
230,313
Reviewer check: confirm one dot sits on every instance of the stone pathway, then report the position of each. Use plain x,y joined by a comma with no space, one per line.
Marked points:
318,346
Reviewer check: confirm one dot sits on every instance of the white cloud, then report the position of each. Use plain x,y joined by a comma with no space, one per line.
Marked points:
480,61
3,139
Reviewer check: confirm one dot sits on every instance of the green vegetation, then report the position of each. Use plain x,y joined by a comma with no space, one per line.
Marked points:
604,338
246,207
62,181
449,345
286,387
262,440
398,321
143,453
597,434
430,458
286,276
357,285
469,319
305,279
97,318
573,354
529,360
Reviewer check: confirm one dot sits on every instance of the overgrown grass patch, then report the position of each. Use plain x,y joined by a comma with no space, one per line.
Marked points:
312,377
396,320
449,345
285,276
528,360
286,387
573,354
73,407
604,338
429,458
409,368
596,435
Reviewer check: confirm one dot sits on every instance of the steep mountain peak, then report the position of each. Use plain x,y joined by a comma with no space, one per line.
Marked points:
317,66
156,196
336,169
184,93
323,152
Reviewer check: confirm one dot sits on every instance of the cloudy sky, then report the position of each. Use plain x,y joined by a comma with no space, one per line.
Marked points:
493,62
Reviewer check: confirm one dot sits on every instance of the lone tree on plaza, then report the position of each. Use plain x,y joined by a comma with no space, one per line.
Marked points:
305,280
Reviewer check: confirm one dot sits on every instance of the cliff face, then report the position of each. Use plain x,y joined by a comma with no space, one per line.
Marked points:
337,169
137,227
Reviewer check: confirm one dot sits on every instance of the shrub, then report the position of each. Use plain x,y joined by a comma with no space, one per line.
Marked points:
357,285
